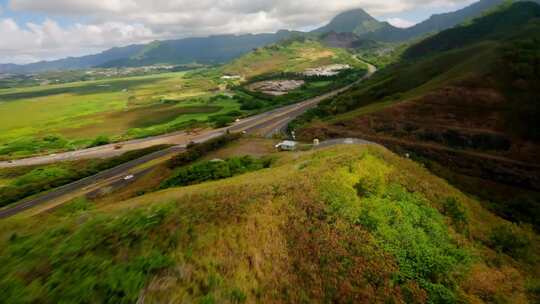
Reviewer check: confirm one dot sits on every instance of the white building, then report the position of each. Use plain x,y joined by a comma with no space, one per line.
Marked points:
287,145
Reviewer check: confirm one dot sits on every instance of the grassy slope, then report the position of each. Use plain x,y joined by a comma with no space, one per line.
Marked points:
346,224
291,56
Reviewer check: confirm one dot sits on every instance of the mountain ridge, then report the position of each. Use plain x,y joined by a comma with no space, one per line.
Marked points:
435,23
217,48
211,49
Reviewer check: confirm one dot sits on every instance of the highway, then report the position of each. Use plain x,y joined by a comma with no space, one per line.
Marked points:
265,124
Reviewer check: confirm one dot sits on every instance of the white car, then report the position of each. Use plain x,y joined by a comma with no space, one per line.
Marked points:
128,177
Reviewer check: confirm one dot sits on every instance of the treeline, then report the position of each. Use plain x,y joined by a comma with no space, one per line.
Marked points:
215,170
195,152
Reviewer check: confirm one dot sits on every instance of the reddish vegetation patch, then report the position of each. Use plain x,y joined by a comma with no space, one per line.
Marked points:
489,284
462,127
336,261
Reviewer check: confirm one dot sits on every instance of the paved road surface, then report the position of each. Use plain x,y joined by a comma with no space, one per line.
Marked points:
264,124
345,141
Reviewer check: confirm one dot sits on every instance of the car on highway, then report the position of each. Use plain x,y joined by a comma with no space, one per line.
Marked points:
128,177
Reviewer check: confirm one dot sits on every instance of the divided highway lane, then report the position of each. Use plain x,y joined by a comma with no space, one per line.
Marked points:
82,183
264,124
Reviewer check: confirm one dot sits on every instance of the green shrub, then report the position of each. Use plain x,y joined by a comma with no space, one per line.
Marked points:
510,239
42,175
238,296
403,223
100,141
214,170
222,121
103,260
416,235
196,151
453,209
28,145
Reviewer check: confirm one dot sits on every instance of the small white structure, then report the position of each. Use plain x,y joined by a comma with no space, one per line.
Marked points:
287,145
316,142
229,77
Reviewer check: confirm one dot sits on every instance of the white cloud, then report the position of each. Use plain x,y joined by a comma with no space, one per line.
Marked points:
398,22
113,22
48,40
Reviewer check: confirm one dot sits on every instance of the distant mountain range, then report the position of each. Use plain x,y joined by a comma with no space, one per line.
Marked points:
223,48
207,50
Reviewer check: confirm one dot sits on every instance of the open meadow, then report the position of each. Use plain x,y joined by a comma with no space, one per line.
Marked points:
79,114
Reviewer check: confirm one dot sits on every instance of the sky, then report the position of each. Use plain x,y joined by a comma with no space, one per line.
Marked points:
33,30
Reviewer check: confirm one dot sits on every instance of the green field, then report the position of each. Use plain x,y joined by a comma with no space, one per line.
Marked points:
77,113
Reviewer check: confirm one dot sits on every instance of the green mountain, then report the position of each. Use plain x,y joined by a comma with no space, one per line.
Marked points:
354,21
368,28
501,24
206,50
74,62
465,101
435,23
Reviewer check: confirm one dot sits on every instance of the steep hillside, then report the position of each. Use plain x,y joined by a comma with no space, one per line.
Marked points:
348,224
468,109
501,24
435,23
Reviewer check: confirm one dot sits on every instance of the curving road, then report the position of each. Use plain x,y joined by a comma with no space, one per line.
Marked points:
265,124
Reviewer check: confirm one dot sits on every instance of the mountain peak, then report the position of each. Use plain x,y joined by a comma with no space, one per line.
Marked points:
356,21
358,13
